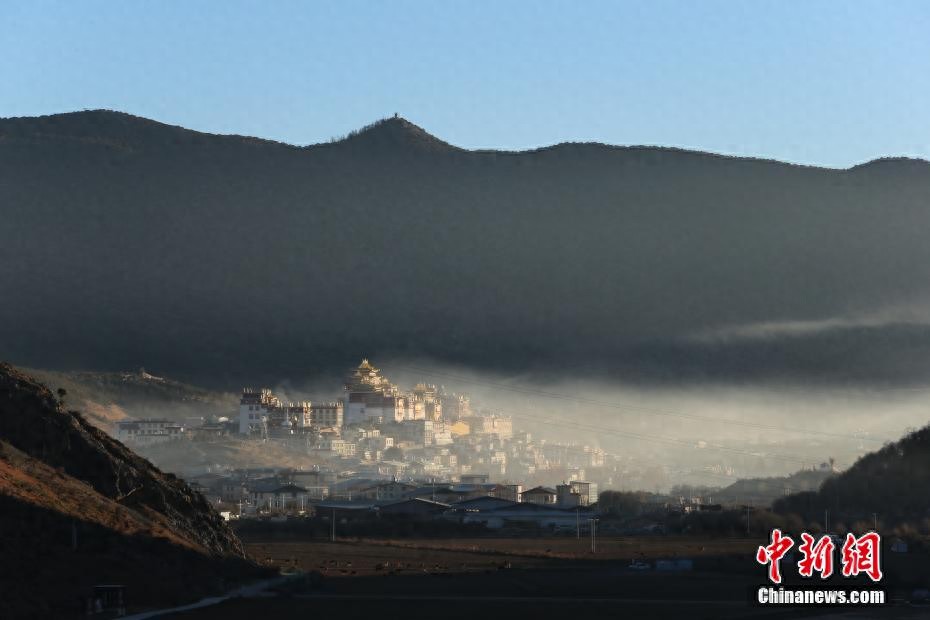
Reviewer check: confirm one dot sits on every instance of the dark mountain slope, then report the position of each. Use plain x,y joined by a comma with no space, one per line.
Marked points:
227,260
79,509
890,483
764,491
112,129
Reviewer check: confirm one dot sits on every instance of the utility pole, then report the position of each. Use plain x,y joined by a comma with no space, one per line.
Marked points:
593,535
333,525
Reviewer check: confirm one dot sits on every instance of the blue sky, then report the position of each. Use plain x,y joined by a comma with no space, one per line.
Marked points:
819,82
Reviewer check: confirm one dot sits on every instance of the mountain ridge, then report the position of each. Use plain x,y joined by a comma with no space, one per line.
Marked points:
400,132
222,261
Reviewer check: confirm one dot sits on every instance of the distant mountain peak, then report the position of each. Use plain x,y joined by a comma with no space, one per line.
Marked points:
109,127
395,132
894,164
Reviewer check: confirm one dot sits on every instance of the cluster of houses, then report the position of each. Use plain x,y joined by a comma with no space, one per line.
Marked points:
385,450
377,431
380,430
471,500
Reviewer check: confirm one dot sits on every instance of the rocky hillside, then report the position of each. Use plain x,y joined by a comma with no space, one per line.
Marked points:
79,509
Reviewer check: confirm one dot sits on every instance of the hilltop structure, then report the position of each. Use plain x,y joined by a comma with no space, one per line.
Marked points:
370,396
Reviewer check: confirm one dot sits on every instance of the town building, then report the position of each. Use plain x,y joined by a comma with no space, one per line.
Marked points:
286,497
261,413
483,503
332,446
576,493
327,414
386,491
419,432
474,478
459,428
254,407
442,434
147,432
414,508
317,483
288,419
500,426
424,403
539,495
544,516
510,492
370,396
456,406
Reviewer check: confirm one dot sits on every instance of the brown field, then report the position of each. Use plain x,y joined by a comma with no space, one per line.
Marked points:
362,558
614,548
541,578
348,557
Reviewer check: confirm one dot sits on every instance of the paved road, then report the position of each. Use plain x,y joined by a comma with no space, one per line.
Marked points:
252,589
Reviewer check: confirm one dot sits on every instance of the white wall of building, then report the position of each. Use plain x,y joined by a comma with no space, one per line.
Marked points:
250,418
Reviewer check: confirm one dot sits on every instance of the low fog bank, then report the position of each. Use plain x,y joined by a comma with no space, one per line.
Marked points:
690,433
660,434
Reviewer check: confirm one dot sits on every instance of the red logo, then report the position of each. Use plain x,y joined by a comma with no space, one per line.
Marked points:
817,557
859,555
773,553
